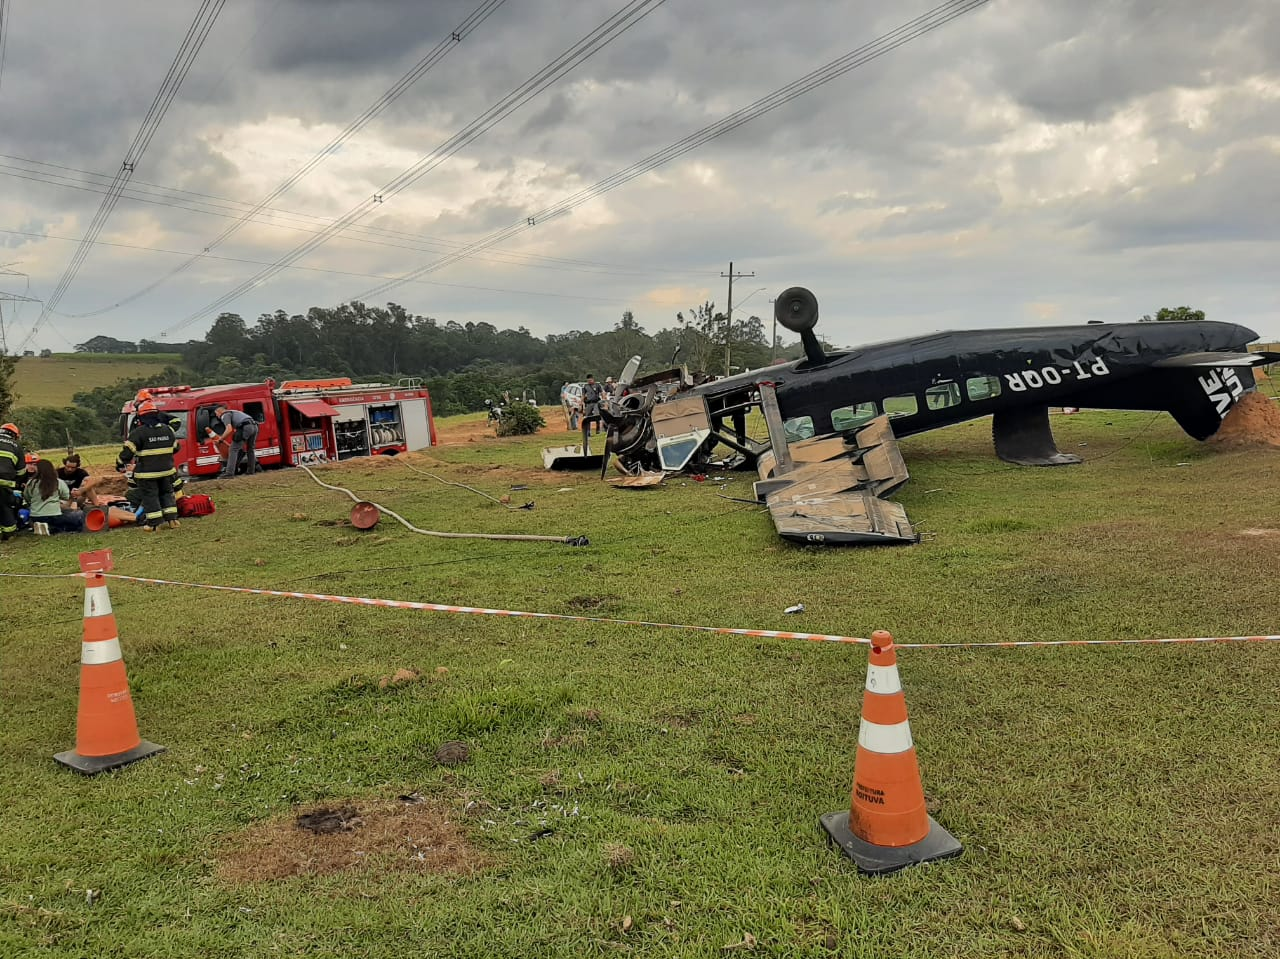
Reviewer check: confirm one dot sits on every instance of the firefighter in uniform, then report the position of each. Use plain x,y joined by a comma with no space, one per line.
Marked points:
152,442
11,470
133,495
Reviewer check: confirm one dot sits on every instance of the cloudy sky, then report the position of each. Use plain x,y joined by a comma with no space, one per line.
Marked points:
1032,162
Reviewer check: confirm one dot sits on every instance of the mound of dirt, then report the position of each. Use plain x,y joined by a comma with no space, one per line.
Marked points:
1253,423
110,486
388,836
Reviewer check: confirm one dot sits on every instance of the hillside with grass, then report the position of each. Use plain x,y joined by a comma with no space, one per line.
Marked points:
54,380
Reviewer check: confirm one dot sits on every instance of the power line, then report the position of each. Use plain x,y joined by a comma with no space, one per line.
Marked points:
197,33
307,269
4,36
595,41
909,31
229,208
420,69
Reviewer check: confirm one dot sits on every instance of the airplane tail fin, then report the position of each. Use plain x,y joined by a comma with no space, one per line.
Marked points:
1199,397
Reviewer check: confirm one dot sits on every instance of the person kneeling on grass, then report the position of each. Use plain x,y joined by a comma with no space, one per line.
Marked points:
49,501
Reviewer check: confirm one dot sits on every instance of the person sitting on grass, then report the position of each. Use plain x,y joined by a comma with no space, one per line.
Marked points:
49,501
76,476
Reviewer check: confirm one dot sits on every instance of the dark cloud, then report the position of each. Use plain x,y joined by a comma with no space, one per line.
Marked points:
1033,158
347,36
1081,61
1237,199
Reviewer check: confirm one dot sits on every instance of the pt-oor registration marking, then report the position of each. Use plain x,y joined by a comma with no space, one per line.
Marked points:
1078,370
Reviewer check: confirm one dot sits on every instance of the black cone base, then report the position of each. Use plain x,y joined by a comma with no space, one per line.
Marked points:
92,765
876,860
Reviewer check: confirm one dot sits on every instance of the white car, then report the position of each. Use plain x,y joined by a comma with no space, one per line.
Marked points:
571,403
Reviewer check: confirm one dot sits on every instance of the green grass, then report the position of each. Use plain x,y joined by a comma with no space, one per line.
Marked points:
1114,801
53,380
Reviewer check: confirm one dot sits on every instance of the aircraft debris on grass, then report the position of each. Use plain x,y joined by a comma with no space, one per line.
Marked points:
833,419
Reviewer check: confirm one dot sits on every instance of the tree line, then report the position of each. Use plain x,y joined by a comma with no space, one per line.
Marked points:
462,364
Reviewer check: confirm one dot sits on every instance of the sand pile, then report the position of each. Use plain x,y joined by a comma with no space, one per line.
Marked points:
108,484
1253,422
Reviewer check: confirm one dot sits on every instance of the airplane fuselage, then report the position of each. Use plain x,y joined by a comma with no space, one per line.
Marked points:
926,382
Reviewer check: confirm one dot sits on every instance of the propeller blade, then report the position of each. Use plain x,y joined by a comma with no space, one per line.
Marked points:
610,435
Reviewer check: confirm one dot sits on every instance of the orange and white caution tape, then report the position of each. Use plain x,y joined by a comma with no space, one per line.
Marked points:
482,611
723,630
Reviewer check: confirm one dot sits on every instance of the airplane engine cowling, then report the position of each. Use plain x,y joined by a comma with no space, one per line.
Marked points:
797,309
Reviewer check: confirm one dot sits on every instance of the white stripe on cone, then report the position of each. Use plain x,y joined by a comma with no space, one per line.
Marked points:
100,653
883,679
885,739
96,601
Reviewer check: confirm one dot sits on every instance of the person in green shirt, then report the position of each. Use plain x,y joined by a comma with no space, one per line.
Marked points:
47,497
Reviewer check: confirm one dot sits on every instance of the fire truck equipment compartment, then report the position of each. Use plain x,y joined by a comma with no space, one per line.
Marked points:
313,408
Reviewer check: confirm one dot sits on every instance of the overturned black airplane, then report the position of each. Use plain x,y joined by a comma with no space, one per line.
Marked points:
832,418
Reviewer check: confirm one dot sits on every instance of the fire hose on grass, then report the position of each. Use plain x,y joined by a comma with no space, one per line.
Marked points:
441,479
519,537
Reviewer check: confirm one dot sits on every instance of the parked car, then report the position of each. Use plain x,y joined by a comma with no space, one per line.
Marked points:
571,403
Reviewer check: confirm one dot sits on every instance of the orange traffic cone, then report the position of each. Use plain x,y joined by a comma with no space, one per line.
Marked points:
887,827
106,728
107,517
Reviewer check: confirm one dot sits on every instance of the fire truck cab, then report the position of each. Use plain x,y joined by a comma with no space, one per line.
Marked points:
299,421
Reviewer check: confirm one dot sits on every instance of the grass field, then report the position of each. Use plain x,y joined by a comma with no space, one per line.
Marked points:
656,792
53,380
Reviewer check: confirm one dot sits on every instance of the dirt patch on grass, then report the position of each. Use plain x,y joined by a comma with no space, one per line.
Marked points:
383,835
592,604
1253,423
507,475
461,433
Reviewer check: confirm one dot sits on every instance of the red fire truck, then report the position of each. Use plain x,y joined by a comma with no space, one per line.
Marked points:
299,421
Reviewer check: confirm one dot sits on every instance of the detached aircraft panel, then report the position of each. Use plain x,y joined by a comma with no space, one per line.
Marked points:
852,517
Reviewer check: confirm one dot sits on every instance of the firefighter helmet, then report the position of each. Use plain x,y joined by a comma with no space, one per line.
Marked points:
11,428
146,406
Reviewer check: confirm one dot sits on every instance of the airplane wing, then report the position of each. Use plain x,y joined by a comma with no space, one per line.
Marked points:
829,489
1261,358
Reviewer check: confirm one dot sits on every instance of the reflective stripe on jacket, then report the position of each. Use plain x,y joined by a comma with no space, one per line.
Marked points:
12,459
153,444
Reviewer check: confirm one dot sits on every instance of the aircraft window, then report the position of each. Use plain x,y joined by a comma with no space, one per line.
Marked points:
799,428
895,406
982,387
942,395
851,417
674,454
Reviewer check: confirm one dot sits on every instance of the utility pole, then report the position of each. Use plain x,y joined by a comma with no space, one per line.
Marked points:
773,347
728,317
